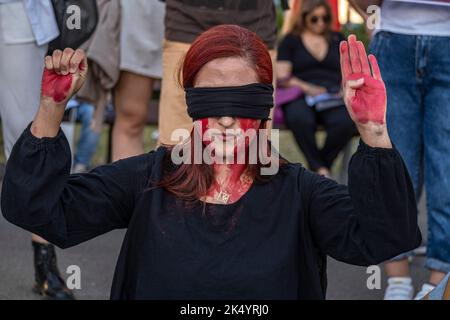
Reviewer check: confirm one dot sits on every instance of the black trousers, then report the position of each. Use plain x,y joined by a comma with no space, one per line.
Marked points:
303,120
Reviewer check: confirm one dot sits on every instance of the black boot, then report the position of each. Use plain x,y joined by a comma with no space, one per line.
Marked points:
49,282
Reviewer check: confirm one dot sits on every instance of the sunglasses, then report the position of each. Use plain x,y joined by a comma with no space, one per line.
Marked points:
325,19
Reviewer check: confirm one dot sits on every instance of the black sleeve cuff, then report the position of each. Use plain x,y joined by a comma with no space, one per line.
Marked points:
28,136
365,148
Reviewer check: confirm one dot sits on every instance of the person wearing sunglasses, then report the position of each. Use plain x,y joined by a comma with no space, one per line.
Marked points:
308,58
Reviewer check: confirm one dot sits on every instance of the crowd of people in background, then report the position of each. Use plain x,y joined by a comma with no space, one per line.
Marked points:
137,43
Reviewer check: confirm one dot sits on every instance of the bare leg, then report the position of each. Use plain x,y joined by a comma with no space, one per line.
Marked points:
36,238
131,96
397,268
436,277
399,281
323,171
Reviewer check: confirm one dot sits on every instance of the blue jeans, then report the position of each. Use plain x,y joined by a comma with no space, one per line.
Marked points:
89,139
416,71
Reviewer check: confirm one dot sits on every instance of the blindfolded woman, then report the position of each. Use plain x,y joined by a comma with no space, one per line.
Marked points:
210,226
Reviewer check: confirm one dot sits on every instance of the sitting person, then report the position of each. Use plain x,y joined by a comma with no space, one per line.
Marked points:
308,58
218,230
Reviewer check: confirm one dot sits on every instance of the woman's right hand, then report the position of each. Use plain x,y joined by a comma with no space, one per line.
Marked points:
64,74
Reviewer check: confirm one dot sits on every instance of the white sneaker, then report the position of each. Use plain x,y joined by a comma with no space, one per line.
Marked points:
426,288
399,288
420,251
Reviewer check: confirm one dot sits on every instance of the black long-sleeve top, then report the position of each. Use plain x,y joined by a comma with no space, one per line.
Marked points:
271,244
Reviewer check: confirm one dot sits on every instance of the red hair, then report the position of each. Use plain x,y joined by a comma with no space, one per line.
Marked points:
192,181
225,41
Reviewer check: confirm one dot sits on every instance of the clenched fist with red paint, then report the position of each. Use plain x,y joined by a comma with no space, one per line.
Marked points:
364,93
64,74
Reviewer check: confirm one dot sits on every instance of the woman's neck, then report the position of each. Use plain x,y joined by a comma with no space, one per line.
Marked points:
231,182
228,172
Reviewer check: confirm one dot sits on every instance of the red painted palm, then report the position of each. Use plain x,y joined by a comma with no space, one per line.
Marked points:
364,90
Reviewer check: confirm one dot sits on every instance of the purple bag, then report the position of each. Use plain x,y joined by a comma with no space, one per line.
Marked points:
282,96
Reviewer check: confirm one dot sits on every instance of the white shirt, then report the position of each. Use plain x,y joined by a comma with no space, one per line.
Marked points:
23,21
415,19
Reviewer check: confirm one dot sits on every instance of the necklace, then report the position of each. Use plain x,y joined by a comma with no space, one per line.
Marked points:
225,191
222,197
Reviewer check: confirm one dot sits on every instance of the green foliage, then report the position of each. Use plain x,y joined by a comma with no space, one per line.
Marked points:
280,18
357,29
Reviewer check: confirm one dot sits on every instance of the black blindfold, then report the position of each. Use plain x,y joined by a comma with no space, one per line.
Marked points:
249,101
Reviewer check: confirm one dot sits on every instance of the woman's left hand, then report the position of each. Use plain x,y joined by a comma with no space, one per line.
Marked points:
364,93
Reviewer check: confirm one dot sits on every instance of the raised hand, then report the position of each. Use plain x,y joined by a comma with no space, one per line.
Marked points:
64,74
364,91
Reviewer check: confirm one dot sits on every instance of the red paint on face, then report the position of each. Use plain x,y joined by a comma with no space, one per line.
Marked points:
369,102
56,86
237,182
204,123
247,124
